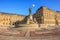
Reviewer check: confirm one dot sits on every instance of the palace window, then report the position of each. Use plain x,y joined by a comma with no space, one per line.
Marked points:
3,23
4,19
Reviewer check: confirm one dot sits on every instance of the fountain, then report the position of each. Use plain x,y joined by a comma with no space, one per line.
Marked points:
30,22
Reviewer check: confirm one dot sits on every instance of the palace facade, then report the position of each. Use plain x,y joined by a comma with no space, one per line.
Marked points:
8,19
43,15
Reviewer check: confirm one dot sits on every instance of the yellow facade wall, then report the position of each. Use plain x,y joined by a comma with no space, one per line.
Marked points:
47,16
9,19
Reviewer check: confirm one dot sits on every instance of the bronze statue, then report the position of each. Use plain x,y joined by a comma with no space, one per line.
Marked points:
30,10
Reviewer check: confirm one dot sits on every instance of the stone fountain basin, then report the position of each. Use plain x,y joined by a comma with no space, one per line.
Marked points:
29,25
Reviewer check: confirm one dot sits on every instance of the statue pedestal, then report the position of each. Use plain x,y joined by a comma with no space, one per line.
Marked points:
30,21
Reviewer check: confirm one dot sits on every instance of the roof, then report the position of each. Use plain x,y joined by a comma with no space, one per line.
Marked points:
11,14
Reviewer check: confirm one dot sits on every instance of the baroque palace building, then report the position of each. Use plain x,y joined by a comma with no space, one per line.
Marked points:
8,19
43,15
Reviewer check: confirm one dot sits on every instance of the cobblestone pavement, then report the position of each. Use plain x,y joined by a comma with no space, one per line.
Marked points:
28,37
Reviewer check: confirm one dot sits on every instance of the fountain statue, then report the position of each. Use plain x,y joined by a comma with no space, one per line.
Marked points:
30,22
30,17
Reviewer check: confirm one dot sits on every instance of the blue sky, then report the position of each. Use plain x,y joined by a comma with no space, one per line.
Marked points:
21,6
